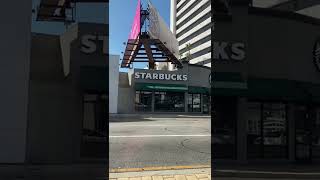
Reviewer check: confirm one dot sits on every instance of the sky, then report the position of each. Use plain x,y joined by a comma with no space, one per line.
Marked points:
120,20
121,14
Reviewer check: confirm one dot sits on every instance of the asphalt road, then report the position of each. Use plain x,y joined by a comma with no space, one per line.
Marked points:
152,142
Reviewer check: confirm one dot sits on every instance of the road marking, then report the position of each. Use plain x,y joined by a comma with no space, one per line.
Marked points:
156,125
169,135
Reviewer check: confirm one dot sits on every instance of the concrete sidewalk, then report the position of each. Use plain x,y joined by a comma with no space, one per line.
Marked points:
179,174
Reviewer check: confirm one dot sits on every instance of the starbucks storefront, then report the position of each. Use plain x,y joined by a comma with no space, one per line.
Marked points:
159,91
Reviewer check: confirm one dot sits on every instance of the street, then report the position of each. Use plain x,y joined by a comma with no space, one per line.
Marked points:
152,142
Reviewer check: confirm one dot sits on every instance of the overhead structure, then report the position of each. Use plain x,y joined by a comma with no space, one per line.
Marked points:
287,5
60,10
150,40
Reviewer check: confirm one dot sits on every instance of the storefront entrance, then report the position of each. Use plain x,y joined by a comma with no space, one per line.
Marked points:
224,120
94,126
267,133
307,135
169,102
206,104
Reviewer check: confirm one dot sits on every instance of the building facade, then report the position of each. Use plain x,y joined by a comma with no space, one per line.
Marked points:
191,23
266,85
160,91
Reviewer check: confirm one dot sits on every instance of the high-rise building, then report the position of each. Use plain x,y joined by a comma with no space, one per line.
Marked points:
191,23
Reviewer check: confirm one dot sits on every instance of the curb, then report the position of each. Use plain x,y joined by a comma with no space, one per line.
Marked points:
161,168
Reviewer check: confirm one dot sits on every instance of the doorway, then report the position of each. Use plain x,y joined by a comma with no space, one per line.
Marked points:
303,134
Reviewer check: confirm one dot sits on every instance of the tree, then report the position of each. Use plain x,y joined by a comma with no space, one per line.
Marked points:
188,54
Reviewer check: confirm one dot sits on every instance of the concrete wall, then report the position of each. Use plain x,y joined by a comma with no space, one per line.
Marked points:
55,106
55,116
126,95
113,83
282,48
236,30
199,76
15,17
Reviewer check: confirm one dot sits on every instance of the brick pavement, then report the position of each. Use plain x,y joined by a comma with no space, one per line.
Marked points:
168,177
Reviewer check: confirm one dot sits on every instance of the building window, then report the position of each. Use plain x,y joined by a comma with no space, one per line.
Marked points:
267,130
143,101
94,126
169,102
194,102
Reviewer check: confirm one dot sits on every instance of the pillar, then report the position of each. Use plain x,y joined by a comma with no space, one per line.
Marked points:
153,102
241,130
15,35
173,16
291,130
186,102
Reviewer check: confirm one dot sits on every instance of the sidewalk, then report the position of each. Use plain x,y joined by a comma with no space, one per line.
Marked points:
180,174
296,171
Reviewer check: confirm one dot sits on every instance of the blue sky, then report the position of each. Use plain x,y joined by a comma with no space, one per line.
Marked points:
120,20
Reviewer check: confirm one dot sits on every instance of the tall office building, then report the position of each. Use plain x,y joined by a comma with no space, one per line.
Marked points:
191,23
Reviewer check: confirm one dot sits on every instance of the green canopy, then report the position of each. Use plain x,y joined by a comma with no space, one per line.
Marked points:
160,87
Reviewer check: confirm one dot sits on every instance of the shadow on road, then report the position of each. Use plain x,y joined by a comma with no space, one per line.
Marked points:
122,120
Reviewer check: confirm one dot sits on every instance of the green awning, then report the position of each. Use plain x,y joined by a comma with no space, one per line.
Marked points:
228,84
160,87
198,90
278,89
227,77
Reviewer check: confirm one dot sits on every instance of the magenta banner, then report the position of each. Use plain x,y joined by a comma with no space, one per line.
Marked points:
135,30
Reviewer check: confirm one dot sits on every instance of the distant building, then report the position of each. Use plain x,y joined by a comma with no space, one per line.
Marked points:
191,23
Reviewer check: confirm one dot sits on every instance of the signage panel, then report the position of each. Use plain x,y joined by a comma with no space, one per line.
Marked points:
159,30
89,43
229,51
135,29
160,76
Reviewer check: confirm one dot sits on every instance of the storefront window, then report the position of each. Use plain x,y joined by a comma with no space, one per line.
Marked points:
169,102
316,135
224,127
143,101
254,130
194,102
274,130
206,103
267,130
94,126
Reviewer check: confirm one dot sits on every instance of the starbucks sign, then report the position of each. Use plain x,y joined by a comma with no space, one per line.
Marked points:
316,54
160,76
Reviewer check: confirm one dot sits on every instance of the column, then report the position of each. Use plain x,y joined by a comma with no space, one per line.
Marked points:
15,35
173,19
291,130
173,16
186,102
153,101
241,130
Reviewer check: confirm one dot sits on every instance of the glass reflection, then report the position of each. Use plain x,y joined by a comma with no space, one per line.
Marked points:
169,102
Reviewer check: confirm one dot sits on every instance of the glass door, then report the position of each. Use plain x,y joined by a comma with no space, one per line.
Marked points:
302,134
206,104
